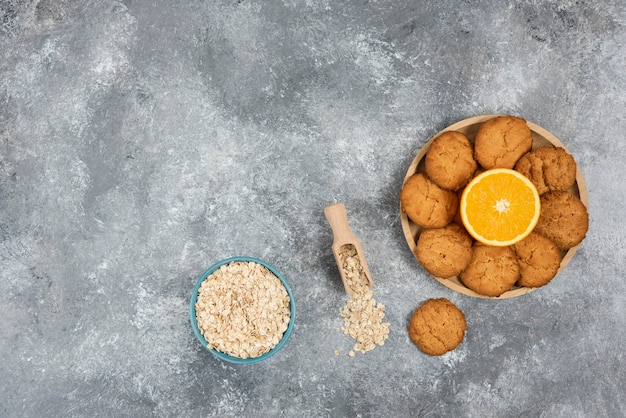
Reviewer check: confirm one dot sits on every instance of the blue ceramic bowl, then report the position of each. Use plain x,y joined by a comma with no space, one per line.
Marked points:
224,356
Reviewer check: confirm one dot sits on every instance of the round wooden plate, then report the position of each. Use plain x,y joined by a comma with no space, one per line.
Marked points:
469,127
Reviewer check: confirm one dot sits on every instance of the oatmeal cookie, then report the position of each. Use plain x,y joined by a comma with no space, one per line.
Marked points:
564,219
444,252
539,260
437,327
549,168
450,160
501,141
427,204
492,270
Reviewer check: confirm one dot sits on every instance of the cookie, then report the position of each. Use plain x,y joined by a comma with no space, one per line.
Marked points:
539,260
563,218
492,270
457,217
549,168
450,160
444,252
437,327
501,141
427,204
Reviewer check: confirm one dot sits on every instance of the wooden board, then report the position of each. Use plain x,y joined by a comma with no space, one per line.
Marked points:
469,127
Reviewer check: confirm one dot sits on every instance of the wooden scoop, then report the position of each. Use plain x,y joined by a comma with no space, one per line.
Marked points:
338,220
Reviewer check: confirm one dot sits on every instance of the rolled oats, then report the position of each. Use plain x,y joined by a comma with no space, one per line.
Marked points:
362,316
242,309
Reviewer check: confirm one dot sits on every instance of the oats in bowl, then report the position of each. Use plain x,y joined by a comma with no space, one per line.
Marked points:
242,310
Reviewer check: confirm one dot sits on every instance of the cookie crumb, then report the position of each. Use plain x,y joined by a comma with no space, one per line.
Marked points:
337,352
351,353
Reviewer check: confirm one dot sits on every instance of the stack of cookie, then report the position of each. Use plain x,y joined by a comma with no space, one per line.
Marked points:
430,199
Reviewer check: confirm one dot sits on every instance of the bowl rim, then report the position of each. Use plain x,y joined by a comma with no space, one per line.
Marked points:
194,298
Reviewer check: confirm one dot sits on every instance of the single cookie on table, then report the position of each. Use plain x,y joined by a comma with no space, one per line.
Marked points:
437,327
563,218
444,252
450,160
549,168
492,270
427,204
501,141
539,260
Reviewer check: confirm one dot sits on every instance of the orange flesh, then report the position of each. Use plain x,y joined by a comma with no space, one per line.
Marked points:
500,208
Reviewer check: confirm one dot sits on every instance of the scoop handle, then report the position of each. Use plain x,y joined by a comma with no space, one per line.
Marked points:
338,219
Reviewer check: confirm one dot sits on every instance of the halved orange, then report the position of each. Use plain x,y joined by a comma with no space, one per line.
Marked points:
500,207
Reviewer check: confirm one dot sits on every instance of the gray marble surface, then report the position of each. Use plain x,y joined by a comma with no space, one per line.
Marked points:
142,141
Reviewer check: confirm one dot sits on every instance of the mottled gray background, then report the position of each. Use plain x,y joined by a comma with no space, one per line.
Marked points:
141,141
